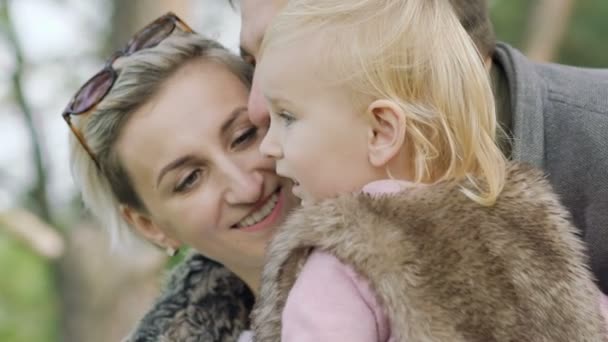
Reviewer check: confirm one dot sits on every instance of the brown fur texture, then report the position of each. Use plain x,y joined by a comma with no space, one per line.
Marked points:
445,268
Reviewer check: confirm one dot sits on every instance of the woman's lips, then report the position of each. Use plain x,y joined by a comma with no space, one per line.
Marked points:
269,220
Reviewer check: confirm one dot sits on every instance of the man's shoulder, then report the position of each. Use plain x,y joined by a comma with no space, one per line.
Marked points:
566,88
575,89
560,123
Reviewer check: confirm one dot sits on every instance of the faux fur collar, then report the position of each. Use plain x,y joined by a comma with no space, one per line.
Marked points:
446,268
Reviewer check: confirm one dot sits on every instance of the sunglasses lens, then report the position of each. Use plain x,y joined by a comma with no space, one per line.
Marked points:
92,92
151,36
98,86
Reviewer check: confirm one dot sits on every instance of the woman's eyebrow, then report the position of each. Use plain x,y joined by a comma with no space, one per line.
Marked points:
174,165
232,118
187,159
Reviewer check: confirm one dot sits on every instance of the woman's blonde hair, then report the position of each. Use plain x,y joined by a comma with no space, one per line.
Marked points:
417,54
141,76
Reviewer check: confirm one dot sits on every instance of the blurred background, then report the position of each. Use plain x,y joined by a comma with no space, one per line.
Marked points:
59,281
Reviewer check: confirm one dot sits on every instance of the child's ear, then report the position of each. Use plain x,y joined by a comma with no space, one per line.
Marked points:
387,131
147,228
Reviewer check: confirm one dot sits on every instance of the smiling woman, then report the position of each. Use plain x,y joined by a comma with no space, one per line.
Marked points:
166,152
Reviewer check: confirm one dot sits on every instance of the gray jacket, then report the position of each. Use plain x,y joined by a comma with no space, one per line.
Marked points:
559,122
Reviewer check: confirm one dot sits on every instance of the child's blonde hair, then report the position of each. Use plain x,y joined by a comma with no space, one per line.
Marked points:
417,54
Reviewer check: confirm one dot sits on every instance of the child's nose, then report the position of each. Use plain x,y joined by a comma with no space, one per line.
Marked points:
270,146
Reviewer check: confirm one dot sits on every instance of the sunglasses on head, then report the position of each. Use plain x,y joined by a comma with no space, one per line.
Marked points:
97,87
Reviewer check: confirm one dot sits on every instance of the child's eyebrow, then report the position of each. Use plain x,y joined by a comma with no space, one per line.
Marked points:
272,101
277,101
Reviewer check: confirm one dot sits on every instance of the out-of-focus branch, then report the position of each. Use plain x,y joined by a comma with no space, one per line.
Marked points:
546,28
39,236
39,190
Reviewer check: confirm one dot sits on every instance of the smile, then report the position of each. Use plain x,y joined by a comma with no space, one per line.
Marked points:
264,215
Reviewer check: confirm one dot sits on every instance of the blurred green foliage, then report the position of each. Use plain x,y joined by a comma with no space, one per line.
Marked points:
585,42
510,20
28,301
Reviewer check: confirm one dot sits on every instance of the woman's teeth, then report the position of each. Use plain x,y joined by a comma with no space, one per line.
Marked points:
261,214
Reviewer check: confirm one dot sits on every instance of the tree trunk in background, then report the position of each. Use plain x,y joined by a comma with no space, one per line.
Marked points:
38,192
546,28
37,201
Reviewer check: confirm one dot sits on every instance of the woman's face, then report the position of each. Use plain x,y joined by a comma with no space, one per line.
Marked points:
193,157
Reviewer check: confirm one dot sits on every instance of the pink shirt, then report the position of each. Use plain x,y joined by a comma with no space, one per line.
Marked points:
331,302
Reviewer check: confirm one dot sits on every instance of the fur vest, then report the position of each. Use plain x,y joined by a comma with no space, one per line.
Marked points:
201,302
445,268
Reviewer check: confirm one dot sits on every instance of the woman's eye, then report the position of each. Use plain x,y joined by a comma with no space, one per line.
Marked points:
249,135
188,182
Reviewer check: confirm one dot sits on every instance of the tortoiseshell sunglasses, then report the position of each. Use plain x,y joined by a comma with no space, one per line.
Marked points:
98,86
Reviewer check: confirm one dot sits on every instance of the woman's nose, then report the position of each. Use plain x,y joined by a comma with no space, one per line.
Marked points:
244,186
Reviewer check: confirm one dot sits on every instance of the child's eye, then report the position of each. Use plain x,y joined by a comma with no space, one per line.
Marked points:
188,182
286,117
